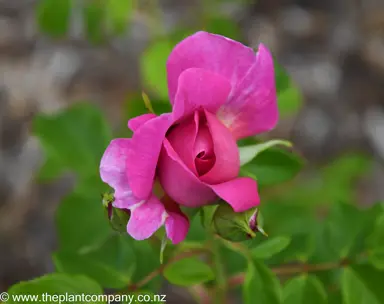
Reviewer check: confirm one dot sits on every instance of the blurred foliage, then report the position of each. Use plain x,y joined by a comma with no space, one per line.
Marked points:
322,247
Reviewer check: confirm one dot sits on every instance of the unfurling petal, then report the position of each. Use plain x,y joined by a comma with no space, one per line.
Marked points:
144,153
210,52
227,158
176,227
198,88
136,122
241,193
252,106
179,182
113,171
146,219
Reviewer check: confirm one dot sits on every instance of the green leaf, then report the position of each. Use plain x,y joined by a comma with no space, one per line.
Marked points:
223,26
273,166
247,153
111,265
55,284
343,228
375,243
74,139
270,247
81,223
289,97
362,284
94,21
376,257
118,13
153,67
261,285
53,17
304,289
188,272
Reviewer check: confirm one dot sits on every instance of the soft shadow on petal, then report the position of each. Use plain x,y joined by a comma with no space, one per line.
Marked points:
113,172
227,164
146,219
179,182
241,193
136,122
200,88
211,52
252,107
144,153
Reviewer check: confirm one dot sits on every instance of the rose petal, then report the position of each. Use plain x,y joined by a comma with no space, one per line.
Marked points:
176,224
241,193
252,107
200,88
227,164
179,182
210,52
113,172
144,153
182,138
146,219
136,122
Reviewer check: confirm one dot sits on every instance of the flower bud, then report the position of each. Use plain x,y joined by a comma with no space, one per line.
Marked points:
118,218
236,226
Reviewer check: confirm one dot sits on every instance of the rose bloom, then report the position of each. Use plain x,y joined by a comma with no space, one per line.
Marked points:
221,91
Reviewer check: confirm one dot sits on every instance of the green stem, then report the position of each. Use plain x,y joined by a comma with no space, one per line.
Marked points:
221,280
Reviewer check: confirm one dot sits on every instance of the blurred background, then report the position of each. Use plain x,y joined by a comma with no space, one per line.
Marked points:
52,56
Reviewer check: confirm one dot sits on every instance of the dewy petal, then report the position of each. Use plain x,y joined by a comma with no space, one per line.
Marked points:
227,163
241,193
252,106
136,122
210,52
146,219
144,153
200,88
179,182
113,172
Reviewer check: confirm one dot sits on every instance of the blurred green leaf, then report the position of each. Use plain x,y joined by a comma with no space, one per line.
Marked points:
94,21
304,289
153,67
188,272
223,26
289,97
260,285
111,265
74,139
343,227
118,13
196,231
362,284
375,243
81,222
270,247
247,153
273,166
57,283
53,17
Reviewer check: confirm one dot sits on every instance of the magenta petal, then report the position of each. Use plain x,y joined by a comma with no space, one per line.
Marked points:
176,227
136,122
179,182
200,88
210,52
146,219
241,193
144,153
113,172
252,107
227,164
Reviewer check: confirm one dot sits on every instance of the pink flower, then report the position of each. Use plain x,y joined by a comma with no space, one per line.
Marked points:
221,91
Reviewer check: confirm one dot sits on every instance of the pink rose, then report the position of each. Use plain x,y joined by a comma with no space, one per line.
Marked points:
221,91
